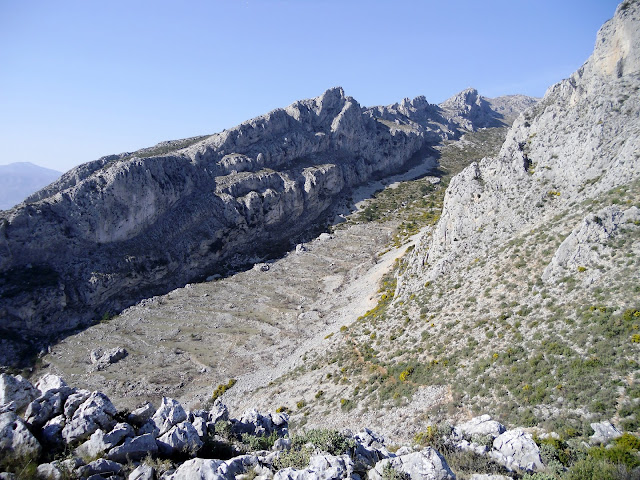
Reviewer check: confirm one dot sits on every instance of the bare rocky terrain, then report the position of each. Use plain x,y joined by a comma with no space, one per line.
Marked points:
497,273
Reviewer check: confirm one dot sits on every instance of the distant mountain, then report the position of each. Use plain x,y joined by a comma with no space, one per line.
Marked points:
21,179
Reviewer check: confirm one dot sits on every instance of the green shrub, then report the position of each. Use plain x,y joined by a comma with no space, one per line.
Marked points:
326,440
628,442
617,454
304,445
298,459
592,468
259,442
223,428
539,476
24,467
390,473
222,388
347,404
406,374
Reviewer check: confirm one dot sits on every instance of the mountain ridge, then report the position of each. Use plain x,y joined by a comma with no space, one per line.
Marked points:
130,226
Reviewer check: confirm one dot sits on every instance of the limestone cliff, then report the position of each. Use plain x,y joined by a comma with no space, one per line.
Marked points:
133,225
582,139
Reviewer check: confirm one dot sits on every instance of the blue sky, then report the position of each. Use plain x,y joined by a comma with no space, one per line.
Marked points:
83,79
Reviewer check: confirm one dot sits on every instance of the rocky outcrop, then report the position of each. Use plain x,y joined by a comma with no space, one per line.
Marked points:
579,141
425,464
16,390
182,451
603,432
130,226
15,437
516,450
588,246
101,359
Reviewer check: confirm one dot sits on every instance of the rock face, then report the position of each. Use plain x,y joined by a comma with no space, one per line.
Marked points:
17,390
603,432
516,450
15,437
586,247
427,464
95,412
579,141
131,226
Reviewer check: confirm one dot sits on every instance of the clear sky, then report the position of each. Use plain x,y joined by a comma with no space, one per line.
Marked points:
86,78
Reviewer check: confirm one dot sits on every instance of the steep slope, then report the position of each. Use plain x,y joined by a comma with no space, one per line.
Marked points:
522,301
578,142
21,179
130,226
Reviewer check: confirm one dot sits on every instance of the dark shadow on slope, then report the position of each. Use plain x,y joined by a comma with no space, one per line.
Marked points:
24,348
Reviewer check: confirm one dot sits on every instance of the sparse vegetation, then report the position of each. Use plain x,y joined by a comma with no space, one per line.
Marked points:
222,388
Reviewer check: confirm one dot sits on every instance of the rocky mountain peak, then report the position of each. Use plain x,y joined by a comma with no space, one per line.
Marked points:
462,100
615,54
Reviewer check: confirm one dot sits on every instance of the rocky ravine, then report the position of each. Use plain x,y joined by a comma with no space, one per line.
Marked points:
130,226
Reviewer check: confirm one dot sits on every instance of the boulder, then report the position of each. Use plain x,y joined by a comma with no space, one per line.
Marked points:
142,472
369,438
218,412
52,430
50,471
279,420
95,412
100,442
141,414
516,450
47,406
254,423
198,469
281,444
48,382
331,466
15,438
321,467
426,464
604,432
134,449
182,437
238,465
102,359
168,414
17,390
99,467
365,458
74,401
200,425
482,425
